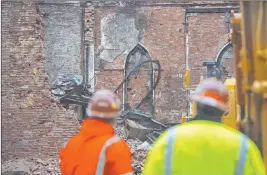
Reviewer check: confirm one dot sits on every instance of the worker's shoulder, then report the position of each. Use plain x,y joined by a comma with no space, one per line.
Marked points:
119,144
203,124
201,127
74,140
118,151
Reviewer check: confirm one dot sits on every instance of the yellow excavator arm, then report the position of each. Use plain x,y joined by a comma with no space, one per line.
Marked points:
249,39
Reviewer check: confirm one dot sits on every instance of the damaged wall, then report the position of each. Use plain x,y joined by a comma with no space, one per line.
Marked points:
161,31
32,126
62,32
120,32
207,35
165,42
89,45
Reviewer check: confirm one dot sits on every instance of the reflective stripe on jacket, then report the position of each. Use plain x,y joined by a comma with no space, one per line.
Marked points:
203,148
95,150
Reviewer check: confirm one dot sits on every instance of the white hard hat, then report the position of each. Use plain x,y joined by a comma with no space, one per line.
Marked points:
213,93
104,104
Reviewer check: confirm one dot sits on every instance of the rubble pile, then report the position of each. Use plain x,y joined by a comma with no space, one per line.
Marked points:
33,166
139,153
65,83
139,157
37,166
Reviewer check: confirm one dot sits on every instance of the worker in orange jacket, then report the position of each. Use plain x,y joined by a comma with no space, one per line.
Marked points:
95,150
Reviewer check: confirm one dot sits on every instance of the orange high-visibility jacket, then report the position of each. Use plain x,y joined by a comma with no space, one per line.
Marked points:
95,150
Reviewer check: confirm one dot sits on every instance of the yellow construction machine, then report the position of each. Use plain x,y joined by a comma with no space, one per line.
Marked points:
249,39
248,88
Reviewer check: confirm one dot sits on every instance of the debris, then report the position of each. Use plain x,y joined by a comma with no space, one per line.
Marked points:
58,92
38,166
138,156
32,169
69,89
14,173
40,161
65,83
80,95
135,130
32,166
25,87
144,146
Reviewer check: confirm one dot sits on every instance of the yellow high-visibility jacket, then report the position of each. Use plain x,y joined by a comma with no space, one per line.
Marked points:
203,148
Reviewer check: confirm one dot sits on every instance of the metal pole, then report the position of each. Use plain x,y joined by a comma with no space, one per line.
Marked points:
186,57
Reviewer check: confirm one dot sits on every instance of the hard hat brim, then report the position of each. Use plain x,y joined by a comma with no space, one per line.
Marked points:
210,102
107,115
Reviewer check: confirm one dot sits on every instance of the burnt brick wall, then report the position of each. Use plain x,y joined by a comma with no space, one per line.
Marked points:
108,75
208,32
164,39
32,126
62,46
163,36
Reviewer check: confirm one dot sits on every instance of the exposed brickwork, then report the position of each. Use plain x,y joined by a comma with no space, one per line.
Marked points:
165,42
154,40
89,44
99,14
164,39
108,79
32,126
89,23
207,34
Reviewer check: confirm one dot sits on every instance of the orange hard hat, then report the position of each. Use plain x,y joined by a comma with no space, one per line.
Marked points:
104,104
213,93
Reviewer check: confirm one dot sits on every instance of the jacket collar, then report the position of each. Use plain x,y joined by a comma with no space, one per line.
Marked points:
95,127
208,118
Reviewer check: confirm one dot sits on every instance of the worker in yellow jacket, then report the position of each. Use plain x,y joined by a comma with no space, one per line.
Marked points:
205,146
